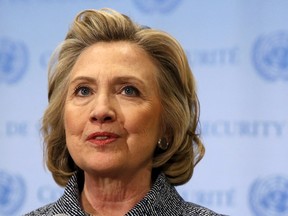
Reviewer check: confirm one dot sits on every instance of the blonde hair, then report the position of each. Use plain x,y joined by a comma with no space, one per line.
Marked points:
176,86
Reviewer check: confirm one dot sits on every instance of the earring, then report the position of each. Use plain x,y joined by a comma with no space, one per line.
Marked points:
162,143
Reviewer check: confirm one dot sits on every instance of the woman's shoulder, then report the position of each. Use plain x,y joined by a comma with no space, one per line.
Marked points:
194,209
44,210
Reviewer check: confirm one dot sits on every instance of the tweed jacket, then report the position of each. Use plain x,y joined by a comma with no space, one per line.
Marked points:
161,200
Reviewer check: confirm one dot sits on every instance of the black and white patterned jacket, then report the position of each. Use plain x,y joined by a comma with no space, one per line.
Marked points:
162,199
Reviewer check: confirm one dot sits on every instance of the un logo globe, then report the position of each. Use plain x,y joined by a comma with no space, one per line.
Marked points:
12,193
13,60
270,56
269,196
162,6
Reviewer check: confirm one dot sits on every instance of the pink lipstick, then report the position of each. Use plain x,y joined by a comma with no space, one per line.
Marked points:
102,138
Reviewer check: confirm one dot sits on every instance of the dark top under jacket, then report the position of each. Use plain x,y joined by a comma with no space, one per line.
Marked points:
162,199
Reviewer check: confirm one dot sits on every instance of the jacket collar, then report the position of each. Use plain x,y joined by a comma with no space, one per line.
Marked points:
161,197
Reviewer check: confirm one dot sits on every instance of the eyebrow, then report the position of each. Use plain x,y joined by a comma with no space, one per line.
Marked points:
123,79
116,79
83,78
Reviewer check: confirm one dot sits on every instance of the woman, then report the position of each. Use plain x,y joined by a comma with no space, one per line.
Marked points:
120,127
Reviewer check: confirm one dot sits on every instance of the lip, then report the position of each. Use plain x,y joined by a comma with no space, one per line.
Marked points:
102,138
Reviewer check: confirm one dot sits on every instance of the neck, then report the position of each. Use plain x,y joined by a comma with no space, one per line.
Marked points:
114,195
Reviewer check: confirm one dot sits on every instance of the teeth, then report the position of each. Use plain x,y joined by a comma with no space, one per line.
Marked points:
101,137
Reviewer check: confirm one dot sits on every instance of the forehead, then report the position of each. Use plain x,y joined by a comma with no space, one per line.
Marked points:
115,57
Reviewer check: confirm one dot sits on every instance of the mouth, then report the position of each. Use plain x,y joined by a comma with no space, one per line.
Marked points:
102,138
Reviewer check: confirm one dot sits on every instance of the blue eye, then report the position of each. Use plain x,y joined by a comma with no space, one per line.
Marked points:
130,91
82,91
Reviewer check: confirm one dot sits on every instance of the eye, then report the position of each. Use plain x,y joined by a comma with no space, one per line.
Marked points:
83,91
130,91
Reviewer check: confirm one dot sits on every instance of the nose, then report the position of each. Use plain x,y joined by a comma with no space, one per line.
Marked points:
103,110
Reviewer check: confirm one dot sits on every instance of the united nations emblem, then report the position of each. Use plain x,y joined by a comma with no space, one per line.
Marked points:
162,6
269,196
12,193
270,56
13,60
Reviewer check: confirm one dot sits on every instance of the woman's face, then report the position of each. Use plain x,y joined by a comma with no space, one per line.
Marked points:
112,110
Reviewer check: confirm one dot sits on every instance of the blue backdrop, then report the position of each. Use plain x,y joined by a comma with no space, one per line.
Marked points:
238,51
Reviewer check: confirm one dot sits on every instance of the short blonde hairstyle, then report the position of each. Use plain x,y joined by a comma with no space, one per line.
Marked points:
176,83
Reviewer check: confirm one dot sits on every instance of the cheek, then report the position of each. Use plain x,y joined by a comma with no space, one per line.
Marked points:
143,121
73,122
